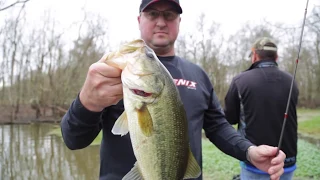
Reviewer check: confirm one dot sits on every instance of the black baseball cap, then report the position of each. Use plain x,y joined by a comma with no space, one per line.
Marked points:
146,3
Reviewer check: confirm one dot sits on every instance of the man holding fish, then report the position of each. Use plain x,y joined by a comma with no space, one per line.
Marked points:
152,106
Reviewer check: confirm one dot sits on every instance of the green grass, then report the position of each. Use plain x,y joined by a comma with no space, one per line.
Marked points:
307,114
305,110
311,127
217,165
57,131
308,160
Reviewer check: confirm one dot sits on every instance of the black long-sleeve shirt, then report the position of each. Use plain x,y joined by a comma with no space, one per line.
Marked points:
257,100
80,126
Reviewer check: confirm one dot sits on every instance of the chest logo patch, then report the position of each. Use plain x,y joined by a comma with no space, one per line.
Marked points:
186,83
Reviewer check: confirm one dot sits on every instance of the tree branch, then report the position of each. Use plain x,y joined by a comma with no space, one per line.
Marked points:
13,4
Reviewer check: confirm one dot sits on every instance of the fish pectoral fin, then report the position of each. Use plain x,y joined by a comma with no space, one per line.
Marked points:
120,127
193,169
133,174
145,121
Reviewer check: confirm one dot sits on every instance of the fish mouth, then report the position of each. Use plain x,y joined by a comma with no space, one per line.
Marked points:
141,93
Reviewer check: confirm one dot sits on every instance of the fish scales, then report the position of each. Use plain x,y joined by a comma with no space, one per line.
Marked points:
154,116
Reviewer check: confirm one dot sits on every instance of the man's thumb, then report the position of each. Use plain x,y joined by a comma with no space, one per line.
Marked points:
270,150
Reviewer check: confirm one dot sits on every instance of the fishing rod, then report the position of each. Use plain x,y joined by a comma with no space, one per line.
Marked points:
294,76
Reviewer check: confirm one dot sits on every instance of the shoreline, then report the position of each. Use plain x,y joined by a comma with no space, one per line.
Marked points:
27,115
30,122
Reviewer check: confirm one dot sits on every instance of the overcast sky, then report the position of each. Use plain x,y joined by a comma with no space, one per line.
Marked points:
122,14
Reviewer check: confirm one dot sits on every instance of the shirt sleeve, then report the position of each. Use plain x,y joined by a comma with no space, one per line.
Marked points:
232,104
221,133
79,126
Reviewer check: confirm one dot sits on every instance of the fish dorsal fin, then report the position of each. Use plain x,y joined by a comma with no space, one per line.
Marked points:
109,56
133,174
193,169
120,127
115,59
145,120
118,58
129,47
132,46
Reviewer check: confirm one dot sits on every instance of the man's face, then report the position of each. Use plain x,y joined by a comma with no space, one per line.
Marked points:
159,25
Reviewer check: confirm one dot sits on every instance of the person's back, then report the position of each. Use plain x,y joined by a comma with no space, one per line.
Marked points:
257,101
264,94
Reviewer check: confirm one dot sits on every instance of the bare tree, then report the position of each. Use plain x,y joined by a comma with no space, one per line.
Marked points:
11,57
5,7
204,47
313,23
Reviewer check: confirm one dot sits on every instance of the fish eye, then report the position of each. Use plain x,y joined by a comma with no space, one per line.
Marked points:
149,52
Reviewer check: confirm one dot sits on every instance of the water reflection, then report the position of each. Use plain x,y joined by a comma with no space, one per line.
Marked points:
28,152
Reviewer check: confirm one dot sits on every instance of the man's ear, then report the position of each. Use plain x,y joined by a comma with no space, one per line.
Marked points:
254,57
138,18
276,58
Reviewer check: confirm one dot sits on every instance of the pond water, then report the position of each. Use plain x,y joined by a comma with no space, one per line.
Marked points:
29,152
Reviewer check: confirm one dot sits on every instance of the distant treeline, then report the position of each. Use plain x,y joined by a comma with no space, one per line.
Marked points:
39,68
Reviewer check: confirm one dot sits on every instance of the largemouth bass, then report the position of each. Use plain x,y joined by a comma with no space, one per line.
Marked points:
154,115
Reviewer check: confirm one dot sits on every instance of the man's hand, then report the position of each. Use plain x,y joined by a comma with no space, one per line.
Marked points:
102,87
266,159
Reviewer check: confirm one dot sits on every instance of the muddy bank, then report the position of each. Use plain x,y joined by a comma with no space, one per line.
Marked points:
26,114
309,138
